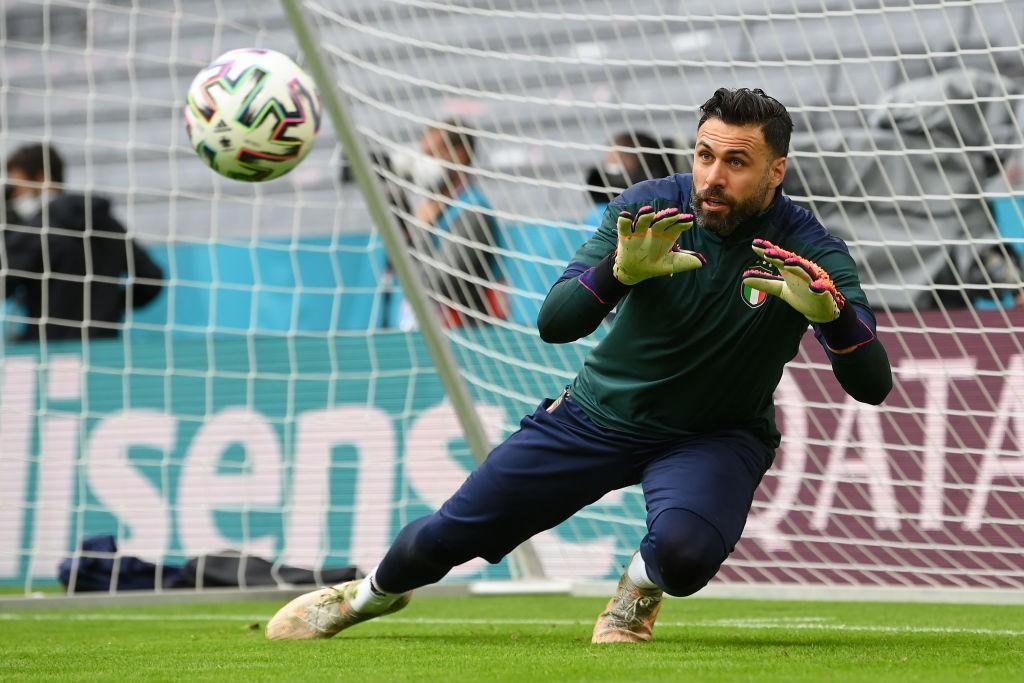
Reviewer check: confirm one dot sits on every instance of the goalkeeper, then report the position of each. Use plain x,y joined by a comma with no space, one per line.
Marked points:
677,397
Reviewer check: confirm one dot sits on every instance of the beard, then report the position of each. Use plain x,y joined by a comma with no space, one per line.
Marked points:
739,210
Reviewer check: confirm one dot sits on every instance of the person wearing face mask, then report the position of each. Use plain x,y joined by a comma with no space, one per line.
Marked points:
66,260
634,156
451,231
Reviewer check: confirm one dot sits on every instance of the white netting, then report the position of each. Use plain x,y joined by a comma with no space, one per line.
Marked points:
908,145
273,400
178,439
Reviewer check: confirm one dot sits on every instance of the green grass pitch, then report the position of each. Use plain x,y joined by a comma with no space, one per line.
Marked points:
526,639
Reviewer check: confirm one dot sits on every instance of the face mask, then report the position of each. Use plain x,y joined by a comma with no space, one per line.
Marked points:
27,206
421,170
612,176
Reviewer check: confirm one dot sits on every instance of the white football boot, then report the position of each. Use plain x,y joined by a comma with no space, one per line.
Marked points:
629,616
324,613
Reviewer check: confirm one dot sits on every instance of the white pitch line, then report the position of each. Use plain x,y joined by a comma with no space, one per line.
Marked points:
27,616
764,624
782,623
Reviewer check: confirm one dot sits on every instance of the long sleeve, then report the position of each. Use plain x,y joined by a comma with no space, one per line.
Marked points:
858,358
21,258
587,290
579,301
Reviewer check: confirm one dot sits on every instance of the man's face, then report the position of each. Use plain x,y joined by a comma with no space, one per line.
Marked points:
433,144
19,182
735,175
628,163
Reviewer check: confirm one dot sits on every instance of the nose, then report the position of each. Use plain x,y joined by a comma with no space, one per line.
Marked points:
715,176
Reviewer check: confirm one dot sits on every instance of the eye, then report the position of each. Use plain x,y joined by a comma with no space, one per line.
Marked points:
736,163
704,156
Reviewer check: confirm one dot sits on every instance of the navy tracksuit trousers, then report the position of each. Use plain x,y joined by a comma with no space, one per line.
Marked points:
698,491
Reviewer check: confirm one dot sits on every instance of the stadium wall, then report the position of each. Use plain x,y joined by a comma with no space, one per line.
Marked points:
316,450
312,283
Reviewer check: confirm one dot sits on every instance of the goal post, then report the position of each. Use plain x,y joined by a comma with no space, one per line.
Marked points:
333,351
526,560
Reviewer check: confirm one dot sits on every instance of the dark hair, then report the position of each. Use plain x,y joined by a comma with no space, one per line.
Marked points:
36,159
744,107
458,138
653,160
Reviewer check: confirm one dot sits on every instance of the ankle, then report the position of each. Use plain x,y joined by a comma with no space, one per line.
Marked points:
370,599
637,573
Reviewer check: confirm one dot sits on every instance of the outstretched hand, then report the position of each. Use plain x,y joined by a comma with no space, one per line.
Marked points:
647,245
803,284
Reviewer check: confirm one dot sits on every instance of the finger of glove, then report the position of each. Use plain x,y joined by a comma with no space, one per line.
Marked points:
819,295
816,272
682,261
624,224
643,218
823,287
770,252
819,304
826,286
685,222
819,307
779,257
665,219
817,278
760,246
764,282
674,223
799,269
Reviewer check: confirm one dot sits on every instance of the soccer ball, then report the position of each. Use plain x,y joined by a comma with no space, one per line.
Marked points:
252,114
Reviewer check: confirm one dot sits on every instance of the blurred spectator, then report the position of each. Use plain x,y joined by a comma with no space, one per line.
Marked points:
634,156
64,257
451,231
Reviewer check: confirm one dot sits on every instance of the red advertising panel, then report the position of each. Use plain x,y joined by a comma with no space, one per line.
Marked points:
925,490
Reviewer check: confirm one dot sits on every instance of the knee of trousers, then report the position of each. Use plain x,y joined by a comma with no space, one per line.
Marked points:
689,551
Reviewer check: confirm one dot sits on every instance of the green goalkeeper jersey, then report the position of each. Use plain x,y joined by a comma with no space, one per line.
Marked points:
698,352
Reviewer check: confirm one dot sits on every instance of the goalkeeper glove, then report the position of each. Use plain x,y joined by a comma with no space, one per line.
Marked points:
804,285
647,245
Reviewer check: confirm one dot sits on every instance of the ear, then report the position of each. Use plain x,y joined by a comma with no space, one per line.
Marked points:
777,172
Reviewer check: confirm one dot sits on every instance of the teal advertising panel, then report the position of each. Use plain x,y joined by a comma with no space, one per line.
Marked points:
312,451
316,450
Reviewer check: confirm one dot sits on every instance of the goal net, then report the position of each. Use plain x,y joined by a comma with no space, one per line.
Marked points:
279,399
